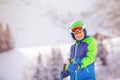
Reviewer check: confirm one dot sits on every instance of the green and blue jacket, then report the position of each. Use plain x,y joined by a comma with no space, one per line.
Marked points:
84,50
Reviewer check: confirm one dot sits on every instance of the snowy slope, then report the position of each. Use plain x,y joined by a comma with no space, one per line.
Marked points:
12,65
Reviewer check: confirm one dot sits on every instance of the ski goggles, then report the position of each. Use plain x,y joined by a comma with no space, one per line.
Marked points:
77,29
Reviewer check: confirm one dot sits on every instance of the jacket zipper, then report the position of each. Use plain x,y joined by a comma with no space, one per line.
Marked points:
76,72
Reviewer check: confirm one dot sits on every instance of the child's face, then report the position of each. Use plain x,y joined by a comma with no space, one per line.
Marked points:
79,35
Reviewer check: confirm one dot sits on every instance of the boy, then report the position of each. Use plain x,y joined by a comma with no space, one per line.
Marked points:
83,54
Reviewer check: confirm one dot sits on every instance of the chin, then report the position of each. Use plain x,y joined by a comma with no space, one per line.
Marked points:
78,39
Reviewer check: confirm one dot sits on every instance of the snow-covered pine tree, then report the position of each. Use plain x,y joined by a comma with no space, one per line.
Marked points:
55,63
104,16
39,71
102,52
8,38
2,41
47,73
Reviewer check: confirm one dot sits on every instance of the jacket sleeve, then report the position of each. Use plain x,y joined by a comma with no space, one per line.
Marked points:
91,53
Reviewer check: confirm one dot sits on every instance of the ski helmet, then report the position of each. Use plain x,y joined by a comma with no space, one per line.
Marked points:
77,23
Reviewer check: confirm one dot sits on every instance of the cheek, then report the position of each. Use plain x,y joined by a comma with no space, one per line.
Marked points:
82,34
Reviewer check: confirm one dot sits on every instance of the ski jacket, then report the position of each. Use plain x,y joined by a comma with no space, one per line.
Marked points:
84,50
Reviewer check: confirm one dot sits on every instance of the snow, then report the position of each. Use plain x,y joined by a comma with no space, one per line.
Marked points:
32,52
12,64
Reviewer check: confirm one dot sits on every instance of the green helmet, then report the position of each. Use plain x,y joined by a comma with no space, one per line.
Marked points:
76,24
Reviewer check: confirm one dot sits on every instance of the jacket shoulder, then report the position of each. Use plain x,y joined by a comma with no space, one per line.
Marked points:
89,40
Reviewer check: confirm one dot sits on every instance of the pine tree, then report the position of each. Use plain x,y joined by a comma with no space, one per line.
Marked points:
39,71
105,16
55,63
8,38
102,52
2,41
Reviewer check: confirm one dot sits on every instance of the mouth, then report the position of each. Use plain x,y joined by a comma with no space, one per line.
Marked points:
79,37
